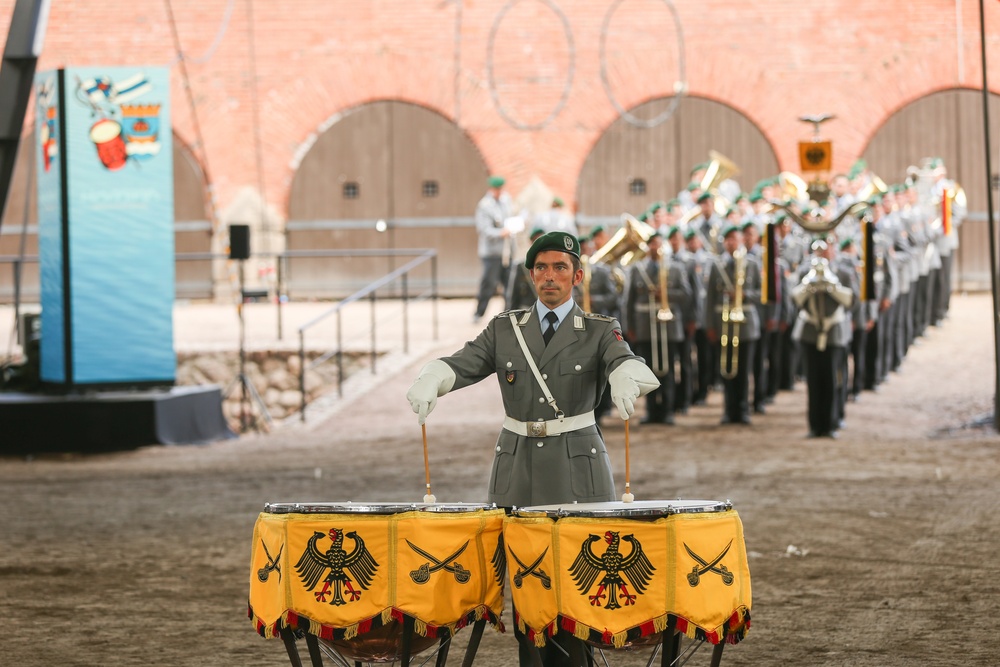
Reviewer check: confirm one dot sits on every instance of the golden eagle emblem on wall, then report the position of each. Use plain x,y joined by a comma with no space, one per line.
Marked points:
620,571
315,562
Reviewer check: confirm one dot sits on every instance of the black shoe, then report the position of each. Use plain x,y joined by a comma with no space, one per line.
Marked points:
698,401
669,420
745,419
724,420
759,409
651,420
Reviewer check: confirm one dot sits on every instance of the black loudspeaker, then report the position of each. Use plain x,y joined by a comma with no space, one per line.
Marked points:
239,241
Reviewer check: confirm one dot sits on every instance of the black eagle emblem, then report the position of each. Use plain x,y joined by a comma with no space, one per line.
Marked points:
635,570
314,563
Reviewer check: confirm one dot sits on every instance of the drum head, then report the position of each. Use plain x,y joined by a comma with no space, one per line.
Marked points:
370,508
636,509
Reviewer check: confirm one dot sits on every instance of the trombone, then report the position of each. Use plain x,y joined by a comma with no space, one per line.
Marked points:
732,317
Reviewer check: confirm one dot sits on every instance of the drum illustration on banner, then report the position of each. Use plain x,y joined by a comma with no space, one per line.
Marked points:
125,128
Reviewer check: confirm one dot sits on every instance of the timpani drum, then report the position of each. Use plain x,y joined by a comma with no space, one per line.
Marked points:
618,575
375,582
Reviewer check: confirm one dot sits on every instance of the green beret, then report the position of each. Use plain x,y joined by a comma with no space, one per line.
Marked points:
689,233
536,231
654,235
556,201
859,166
673,229
747,224
698,167
703,196
731,210
756,197
596,230
742,196
673,203
846,242
496,181
642,217
655,206
691,187
780,218
729,229
582,239
560,241
935,163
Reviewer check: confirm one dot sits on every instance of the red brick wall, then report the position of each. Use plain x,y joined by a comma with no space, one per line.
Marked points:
772,60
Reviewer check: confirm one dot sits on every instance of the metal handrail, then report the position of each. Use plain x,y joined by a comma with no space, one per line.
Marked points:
367,292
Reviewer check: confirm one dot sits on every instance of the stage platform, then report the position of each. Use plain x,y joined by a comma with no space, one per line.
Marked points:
100,421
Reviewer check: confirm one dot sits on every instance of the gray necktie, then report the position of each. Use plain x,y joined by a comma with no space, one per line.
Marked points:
551,318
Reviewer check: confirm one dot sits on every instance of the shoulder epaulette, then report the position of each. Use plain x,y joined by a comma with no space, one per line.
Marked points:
598,316
508,313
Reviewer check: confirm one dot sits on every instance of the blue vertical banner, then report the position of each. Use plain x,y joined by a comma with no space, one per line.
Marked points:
115,290
49,138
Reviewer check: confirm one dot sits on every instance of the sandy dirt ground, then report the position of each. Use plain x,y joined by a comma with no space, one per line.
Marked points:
874,549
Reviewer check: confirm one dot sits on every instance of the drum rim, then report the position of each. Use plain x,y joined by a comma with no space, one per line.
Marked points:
624,510
357,507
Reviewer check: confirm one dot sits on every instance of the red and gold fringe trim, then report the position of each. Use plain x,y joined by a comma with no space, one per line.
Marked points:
731,632
291,619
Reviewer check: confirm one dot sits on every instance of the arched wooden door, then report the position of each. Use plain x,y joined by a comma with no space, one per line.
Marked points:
631,167
946,124
393,161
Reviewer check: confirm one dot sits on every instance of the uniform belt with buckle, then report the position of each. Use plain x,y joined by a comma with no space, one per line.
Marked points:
542,429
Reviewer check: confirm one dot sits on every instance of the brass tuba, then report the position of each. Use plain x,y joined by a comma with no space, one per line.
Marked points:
627,245
732,317
719,169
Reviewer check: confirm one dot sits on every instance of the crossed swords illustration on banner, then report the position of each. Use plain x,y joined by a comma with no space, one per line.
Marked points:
530,570
423,573
696,572
272,564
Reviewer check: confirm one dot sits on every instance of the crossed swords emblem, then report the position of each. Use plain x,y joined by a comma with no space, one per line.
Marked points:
272,564
423,573
530,570
704,566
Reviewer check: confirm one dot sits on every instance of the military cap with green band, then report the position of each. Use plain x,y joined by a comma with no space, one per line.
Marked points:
560,241
496,181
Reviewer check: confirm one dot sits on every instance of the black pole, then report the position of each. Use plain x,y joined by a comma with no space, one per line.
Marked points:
991,223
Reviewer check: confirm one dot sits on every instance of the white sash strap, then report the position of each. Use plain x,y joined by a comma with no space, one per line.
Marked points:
549,398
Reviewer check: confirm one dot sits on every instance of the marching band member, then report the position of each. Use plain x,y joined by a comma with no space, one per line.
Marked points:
822,329
657,333
707,361
693,269
552,362
734,288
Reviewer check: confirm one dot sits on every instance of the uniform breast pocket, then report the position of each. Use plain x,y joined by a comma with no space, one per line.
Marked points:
590,470
578,380
514,377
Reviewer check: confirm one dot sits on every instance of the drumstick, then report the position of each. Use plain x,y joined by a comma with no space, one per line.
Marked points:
627,497
428,497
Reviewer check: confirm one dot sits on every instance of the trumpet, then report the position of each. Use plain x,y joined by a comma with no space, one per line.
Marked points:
585,287
732,317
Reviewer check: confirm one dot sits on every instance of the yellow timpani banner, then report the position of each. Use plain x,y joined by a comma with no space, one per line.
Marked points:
341,575
615,580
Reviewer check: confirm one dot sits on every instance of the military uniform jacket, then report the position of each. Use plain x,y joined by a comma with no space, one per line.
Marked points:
721,279
637,292
575,365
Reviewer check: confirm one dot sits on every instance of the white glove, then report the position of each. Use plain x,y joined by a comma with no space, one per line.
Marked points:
435,379
628,382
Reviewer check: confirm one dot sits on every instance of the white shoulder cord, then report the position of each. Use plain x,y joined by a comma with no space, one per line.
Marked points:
534,368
